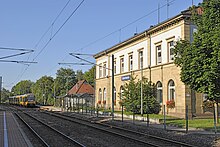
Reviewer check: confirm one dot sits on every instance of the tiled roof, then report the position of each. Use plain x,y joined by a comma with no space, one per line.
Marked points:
81,87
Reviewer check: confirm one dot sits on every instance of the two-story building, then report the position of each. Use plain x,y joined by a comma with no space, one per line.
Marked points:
150,54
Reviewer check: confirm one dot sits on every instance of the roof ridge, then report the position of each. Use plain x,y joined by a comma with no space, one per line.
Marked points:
80,85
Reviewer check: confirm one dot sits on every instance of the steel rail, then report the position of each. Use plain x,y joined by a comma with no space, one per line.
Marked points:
103,130
57,131
32,130
130,131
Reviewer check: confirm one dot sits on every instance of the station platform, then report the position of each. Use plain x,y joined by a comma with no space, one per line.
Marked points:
11,135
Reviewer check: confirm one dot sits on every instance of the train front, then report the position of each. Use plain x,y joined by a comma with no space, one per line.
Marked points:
30,101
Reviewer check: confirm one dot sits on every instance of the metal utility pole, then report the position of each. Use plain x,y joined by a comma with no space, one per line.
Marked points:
0,89
142,90
113,99
158,21
168,9
54,93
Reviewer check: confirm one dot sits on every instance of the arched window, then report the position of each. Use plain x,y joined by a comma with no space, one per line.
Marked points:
171,90
104,94
159,92
114,93
121,92
100,94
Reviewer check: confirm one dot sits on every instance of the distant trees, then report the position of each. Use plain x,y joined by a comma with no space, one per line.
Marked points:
4,94
65,79
22,87
79,75
89,76
43,90
47,87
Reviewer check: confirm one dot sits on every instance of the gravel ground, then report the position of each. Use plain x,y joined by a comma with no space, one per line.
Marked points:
194,138
203,140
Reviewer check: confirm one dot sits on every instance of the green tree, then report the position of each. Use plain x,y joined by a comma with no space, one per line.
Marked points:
65,80
22,87
132,96
89,76
200,60
43,90
79,75
5,94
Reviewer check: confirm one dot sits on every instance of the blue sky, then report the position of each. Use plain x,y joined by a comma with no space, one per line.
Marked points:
24,22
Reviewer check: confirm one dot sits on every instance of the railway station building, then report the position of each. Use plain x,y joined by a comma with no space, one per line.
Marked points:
149,54
79,96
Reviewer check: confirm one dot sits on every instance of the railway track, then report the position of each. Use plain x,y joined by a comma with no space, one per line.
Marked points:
46,134
126,133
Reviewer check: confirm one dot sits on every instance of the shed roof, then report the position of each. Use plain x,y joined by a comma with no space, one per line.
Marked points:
81,87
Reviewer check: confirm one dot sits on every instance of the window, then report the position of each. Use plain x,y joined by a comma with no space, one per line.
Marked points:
115,66
130,62
171,90
100,70
122,65
104,70
159,92
170,50
140,59
100,94
121,92
159,54
104,94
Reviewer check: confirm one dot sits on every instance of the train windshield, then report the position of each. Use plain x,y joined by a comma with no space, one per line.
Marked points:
30,98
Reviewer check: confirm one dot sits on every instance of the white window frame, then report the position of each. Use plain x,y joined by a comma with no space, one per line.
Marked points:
170,45
104,69
159,53
141,59
104,94
122,65
100,94
171,90
100,70
160,90
130,62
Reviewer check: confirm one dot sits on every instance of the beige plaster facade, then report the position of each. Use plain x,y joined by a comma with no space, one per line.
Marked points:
158,66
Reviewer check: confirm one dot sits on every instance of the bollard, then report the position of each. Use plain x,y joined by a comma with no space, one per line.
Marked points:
164,119
122,113
187,121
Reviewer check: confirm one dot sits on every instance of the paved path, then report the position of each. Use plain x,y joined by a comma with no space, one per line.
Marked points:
11,134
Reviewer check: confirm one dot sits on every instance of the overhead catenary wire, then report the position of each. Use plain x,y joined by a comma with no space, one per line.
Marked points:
47,43
52,24
120,29
59,29
114,31
80,58
22,50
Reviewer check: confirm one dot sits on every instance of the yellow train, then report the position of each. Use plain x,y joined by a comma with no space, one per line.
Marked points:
26,100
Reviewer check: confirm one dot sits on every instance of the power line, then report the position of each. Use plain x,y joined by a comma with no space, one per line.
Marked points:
14,61
15,49
54,33
101,38
59,29
51,26
75,64
79,58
